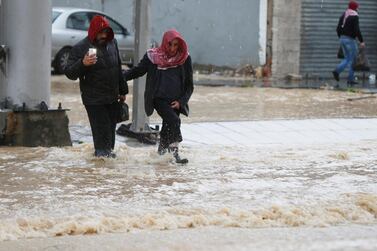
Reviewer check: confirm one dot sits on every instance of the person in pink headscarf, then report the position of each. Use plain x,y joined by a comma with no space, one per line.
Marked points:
348,30
169,86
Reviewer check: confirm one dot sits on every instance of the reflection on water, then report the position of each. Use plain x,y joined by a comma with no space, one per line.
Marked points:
60,191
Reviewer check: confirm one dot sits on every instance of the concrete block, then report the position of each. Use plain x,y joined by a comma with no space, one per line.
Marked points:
37,128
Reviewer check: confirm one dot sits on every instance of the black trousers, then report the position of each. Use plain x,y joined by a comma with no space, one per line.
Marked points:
102,120
171,123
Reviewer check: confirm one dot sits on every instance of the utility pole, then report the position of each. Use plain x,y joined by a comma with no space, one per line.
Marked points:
25,70
26,32
140,122
103,5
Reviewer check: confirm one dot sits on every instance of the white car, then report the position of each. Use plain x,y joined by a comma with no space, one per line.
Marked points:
70,25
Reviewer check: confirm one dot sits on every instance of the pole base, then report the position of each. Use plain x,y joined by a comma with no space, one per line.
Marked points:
36,128
149,137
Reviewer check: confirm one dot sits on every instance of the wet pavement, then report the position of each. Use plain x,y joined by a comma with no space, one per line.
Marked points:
364,82
227,103
262,133
214,239
281,132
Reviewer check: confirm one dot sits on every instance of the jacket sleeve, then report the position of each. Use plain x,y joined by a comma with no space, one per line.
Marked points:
123,86
139,70
75,68
189,85
339,27
358,32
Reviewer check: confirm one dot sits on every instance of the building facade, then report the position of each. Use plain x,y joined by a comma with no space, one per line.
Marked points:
219,32
290,36
305,41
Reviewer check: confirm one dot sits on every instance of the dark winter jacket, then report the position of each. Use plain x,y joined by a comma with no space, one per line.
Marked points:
351,28
146,66
102,82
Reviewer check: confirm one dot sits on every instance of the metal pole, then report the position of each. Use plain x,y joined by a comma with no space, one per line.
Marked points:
142,12
26,31
103,5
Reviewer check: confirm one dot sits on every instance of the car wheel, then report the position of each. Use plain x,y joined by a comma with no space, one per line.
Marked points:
61,60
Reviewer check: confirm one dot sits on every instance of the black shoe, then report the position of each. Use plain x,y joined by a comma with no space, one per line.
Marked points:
351,83
336,75
162,149
176,156
179,160
104,154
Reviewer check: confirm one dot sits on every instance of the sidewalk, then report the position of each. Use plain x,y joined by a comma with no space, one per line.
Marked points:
365,85
263,133
280,132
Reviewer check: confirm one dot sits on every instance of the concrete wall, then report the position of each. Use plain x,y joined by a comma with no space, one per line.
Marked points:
219,32
286,28
88,4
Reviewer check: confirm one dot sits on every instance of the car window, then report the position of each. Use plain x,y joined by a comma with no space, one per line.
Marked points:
55,15
117,28
78,21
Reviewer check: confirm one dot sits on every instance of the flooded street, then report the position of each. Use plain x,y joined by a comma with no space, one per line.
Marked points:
241,103
227,198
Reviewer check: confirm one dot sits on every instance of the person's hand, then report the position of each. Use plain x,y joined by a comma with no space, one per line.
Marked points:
175,105
89,60
122,98
362,45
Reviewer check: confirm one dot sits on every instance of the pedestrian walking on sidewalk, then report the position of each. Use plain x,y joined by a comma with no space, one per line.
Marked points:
169,86
348,30
95,61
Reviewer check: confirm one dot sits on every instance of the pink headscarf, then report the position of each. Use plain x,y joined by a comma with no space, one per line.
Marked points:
159,55
351,11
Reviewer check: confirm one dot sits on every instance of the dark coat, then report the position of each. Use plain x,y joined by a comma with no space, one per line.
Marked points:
351,27
102,82
146,66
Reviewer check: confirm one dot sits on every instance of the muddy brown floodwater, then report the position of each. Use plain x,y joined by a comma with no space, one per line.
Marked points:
264,197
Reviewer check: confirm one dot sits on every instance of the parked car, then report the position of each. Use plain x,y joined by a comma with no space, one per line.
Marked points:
70,25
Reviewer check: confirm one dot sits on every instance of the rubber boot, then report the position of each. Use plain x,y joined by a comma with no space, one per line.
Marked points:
162,149
178,159
104,154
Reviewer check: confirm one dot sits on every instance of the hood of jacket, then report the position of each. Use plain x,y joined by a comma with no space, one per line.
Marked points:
98,24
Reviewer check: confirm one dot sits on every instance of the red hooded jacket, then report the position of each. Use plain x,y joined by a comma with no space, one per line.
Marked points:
98,24
103,82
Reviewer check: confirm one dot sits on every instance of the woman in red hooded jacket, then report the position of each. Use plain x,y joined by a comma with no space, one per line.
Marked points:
169,86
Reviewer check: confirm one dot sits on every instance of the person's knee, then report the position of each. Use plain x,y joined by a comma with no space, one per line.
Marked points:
170,117
174,120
